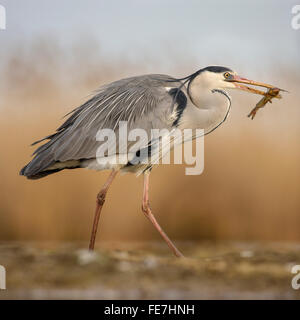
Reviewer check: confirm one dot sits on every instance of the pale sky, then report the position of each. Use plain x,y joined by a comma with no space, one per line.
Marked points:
241,33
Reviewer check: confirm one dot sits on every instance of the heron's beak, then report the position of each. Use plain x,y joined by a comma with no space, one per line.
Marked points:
239,83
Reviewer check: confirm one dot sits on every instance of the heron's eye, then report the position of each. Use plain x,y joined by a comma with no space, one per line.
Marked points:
227,75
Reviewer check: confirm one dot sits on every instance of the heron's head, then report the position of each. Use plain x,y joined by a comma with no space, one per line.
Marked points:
217,77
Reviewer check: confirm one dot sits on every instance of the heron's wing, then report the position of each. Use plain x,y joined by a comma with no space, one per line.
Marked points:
142,101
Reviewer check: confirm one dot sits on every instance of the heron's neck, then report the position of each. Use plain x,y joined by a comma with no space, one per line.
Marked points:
208,109
205,96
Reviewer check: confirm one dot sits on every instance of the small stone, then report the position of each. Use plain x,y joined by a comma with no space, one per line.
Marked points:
246,254
150,263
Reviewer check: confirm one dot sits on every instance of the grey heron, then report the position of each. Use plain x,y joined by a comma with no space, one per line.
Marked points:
199,100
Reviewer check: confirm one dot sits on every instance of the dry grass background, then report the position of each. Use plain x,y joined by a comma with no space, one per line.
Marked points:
249,189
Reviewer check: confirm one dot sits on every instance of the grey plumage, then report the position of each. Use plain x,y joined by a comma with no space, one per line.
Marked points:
143,101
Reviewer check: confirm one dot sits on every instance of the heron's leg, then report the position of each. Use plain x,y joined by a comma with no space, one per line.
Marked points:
99,204
148,213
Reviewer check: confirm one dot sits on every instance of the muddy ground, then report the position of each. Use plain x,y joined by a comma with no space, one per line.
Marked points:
148,271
